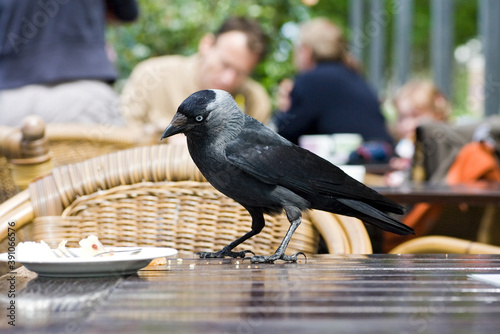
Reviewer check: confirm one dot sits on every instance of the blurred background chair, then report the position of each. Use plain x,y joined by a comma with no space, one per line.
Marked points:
443,244
155,196
438,144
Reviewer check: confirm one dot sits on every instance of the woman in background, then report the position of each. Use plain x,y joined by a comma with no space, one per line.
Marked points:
329,94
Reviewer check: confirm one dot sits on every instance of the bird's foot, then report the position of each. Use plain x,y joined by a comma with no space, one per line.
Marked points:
224,253
274,257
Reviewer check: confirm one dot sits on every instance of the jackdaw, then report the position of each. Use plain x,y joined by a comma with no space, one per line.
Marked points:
265,173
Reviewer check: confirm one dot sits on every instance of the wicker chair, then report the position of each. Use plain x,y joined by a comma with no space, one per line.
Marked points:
155,196
444,245
35,148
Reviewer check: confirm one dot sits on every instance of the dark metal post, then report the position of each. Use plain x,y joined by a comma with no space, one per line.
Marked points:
403,13
490,31
442,43
377,27
358,40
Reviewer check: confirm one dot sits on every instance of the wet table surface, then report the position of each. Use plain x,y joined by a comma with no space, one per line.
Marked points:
325,294
472,193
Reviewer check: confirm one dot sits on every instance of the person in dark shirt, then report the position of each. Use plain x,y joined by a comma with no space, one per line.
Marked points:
329,94
54,61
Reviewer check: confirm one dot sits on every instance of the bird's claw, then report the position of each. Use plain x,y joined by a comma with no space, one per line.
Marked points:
223,253
272,258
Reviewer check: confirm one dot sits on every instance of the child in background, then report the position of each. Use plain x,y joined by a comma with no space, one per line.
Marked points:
417,102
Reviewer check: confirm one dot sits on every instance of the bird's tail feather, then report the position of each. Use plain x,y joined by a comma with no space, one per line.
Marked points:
375,217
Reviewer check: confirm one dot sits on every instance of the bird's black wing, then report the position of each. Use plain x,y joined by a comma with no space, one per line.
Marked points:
273,160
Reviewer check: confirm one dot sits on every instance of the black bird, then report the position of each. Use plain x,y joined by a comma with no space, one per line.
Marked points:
265,173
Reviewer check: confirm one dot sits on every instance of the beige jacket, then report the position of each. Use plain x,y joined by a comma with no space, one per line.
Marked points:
157,86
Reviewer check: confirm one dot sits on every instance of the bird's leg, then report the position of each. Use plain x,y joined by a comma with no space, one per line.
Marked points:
258,224
280,252
295,217
227,250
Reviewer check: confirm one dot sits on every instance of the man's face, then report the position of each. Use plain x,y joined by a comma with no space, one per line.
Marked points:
226,62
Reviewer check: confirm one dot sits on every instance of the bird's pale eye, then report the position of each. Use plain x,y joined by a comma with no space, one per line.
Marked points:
199,118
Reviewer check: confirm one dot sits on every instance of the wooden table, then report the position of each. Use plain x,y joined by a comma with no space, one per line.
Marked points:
474,193
485,196
325,294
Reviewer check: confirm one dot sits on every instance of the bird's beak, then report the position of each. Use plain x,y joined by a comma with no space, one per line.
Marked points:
178,125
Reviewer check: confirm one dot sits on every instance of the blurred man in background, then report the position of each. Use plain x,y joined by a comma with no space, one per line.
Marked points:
225,60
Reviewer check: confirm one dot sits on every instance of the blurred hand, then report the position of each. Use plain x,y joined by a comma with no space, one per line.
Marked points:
400,163
401,168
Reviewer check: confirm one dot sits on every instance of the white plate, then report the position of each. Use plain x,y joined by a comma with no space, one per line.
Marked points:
117,264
